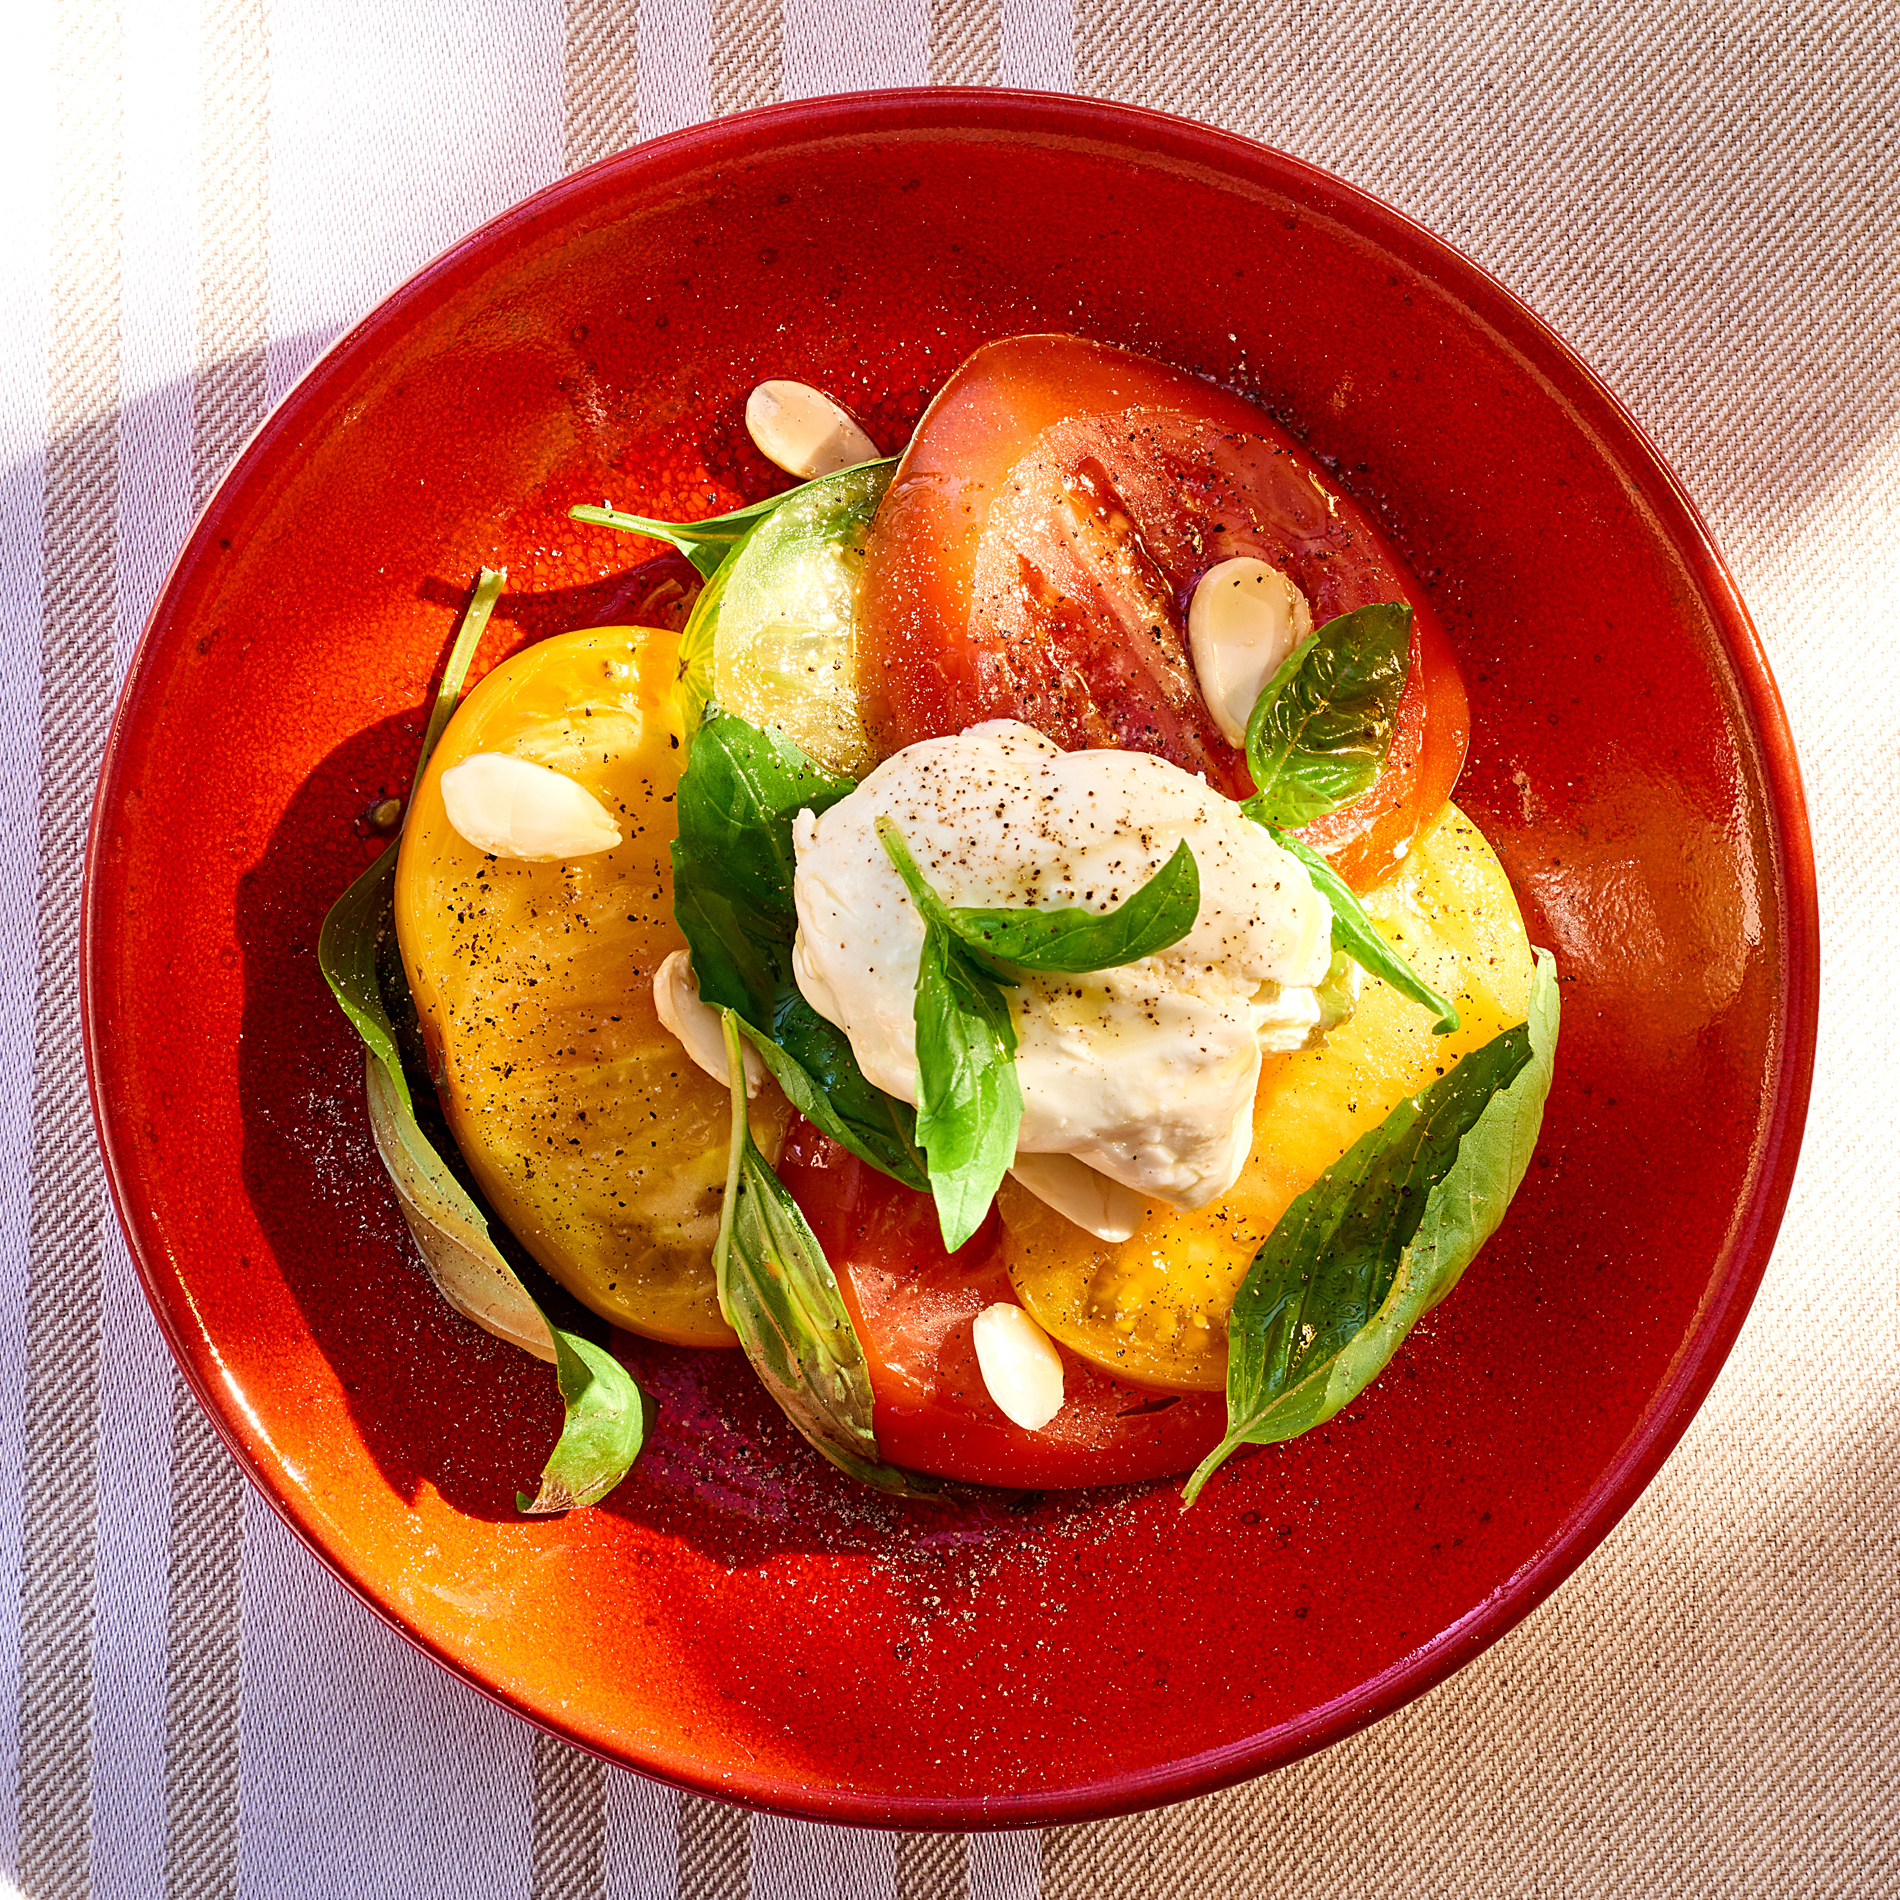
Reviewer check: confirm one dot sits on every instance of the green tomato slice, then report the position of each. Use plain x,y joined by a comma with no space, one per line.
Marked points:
779,620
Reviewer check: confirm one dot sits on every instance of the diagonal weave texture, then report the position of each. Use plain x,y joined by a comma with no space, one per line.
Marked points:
62,1345
601,90
931,1867
963,43
201,1688
570,1802
747,38
1704,200
715,1851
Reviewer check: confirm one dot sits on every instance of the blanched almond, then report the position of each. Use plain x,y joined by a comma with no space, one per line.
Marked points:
1019,1365
1096,1204
804,431
696,1023
1244,619
514,808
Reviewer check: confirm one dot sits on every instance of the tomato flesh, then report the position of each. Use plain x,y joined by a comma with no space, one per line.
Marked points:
914,1305
1037,549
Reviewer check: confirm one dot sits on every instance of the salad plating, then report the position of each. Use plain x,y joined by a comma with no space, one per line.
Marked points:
1060,1139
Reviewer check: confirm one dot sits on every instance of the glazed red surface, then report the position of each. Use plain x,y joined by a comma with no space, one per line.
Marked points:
739,1618
914,1306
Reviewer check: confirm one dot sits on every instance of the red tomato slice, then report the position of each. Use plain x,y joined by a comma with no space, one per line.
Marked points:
914,1306
1037,550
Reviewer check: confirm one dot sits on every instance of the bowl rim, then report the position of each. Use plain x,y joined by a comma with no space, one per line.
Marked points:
1164,141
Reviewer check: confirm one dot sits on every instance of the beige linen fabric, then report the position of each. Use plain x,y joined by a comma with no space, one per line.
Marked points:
1704,200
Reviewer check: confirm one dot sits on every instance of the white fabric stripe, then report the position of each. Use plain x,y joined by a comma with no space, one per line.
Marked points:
424,120
845,45
160,291
26,187
675,65
1036,45
136,1384
795,1860
62,1268
642,1839
1006,1866
159,279
367,1771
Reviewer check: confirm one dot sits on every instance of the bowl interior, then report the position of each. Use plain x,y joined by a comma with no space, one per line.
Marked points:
737,1618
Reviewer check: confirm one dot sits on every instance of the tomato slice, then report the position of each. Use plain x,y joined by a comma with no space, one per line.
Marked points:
1037,549
914,1304
592,1136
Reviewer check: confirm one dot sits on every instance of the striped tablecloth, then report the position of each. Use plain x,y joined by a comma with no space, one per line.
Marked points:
197,199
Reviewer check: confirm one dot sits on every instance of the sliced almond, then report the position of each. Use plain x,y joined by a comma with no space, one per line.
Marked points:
513,808
1096,1204
804,431
1020,1366
696,1023
1244,619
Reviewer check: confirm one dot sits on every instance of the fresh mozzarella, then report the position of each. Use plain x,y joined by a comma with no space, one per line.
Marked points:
1144,1073
513,808
1096,1204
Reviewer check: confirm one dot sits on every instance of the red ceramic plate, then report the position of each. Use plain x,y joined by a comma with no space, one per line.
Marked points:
737,1618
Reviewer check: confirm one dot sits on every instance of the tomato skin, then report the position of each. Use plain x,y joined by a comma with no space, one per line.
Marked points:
913,1306
1367,840
1037,549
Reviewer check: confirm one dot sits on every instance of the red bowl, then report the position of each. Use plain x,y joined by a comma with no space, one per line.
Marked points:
737,1618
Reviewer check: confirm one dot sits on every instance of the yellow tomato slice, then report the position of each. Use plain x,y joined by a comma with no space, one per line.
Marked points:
592,1134
1154,1307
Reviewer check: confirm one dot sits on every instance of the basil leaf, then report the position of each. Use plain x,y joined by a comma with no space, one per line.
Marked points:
1466,1207
607,1415
1382,1236
779,1294
347,954
449,1230
1072,940
353,932
608,1418
732,897
468,636
1354,933
969,1100
695,684
705,543
1321,728
733,860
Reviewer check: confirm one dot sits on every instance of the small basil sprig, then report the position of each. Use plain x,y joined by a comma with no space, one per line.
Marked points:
969,1099
705,543
1353,932
732,897
1322,726
1317,738
1071,940
1383,1235
779,1294
606,1413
